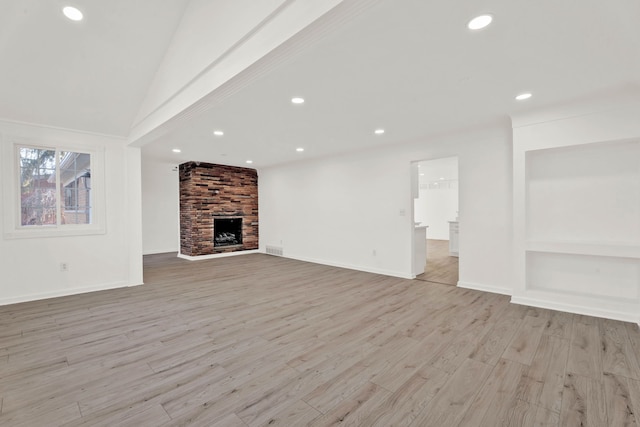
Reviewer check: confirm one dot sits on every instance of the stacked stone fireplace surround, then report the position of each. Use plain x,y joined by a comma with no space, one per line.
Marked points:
209,191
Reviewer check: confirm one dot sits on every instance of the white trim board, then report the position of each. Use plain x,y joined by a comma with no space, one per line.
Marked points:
65,292
222,255
577,309
484,288
160,251
351,267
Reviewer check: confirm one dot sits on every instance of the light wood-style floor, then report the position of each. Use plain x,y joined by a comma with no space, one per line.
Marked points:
256,340
441,267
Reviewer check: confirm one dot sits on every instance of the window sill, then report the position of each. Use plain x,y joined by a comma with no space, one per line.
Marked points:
53,231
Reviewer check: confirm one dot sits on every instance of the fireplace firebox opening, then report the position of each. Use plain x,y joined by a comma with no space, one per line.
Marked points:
227,231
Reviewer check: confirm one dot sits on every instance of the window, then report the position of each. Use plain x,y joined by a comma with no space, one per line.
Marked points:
75,176
37,186
53,191
45,173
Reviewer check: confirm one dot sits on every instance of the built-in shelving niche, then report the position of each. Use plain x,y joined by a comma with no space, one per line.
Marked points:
582,218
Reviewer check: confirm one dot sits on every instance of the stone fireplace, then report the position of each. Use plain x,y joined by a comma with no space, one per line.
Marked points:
218,209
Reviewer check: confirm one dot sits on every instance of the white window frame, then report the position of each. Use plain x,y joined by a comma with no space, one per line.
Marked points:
13,229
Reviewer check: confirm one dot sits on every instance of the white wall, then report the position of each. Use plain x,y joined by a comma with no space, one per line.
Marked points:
160,206
31,266
435,208
339,210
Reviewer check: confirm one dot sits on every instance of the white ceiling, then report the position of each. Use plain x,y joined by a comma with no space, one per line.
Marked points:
90,75
413,68
410,66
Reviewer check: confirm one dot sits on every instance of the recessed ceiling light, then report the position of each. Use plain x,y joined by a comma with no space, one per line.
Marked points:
249,161
480,22
524,96
441,178
379,131
72,13
176,150
218,133
297,100
300,150
421,174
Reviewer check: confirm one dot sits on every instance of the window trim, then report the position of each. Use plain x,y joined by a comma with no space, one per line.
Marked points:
13,229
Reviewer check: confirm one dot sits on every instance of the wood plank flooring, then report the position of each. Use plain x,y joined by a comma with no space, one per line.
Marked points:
441,267
256,340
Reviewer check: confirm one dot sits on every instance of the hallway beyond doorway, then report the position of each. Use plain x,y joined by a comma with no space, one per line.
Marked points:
441,268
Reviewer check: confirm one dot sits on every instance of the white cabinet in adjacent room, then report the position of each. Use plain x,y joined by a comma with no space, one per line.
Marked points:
453,238
419,249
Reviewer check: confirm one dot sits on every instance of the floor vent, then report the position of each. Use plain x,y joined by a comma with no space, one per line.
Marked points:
274,250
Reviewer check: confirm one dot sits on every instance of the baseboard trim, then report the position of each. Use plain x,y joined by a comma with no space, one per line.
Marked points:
577,309
64,293
160,251
484,288
222,255
351,267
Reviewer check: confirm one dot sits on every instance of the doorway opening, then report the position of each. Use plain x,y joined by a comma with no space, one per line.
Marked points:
435,205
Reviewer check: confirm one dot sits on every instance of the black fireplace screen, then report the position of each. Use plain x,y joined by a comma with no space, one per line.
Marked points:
227,231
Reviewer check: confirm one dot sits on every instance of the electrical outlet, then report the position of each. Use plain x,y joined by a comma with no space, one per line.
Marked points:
64,266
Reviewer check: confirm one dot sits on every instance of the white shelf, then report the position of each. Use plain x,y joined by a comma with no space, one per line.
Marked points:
622,250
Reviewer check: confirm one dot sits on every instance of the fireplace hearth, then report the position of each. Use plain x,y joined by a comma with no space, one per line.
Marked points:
227,231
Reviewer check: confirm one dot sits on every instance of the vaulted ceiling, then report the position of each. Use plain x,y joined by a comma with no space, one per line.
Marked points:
90,75
410,67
